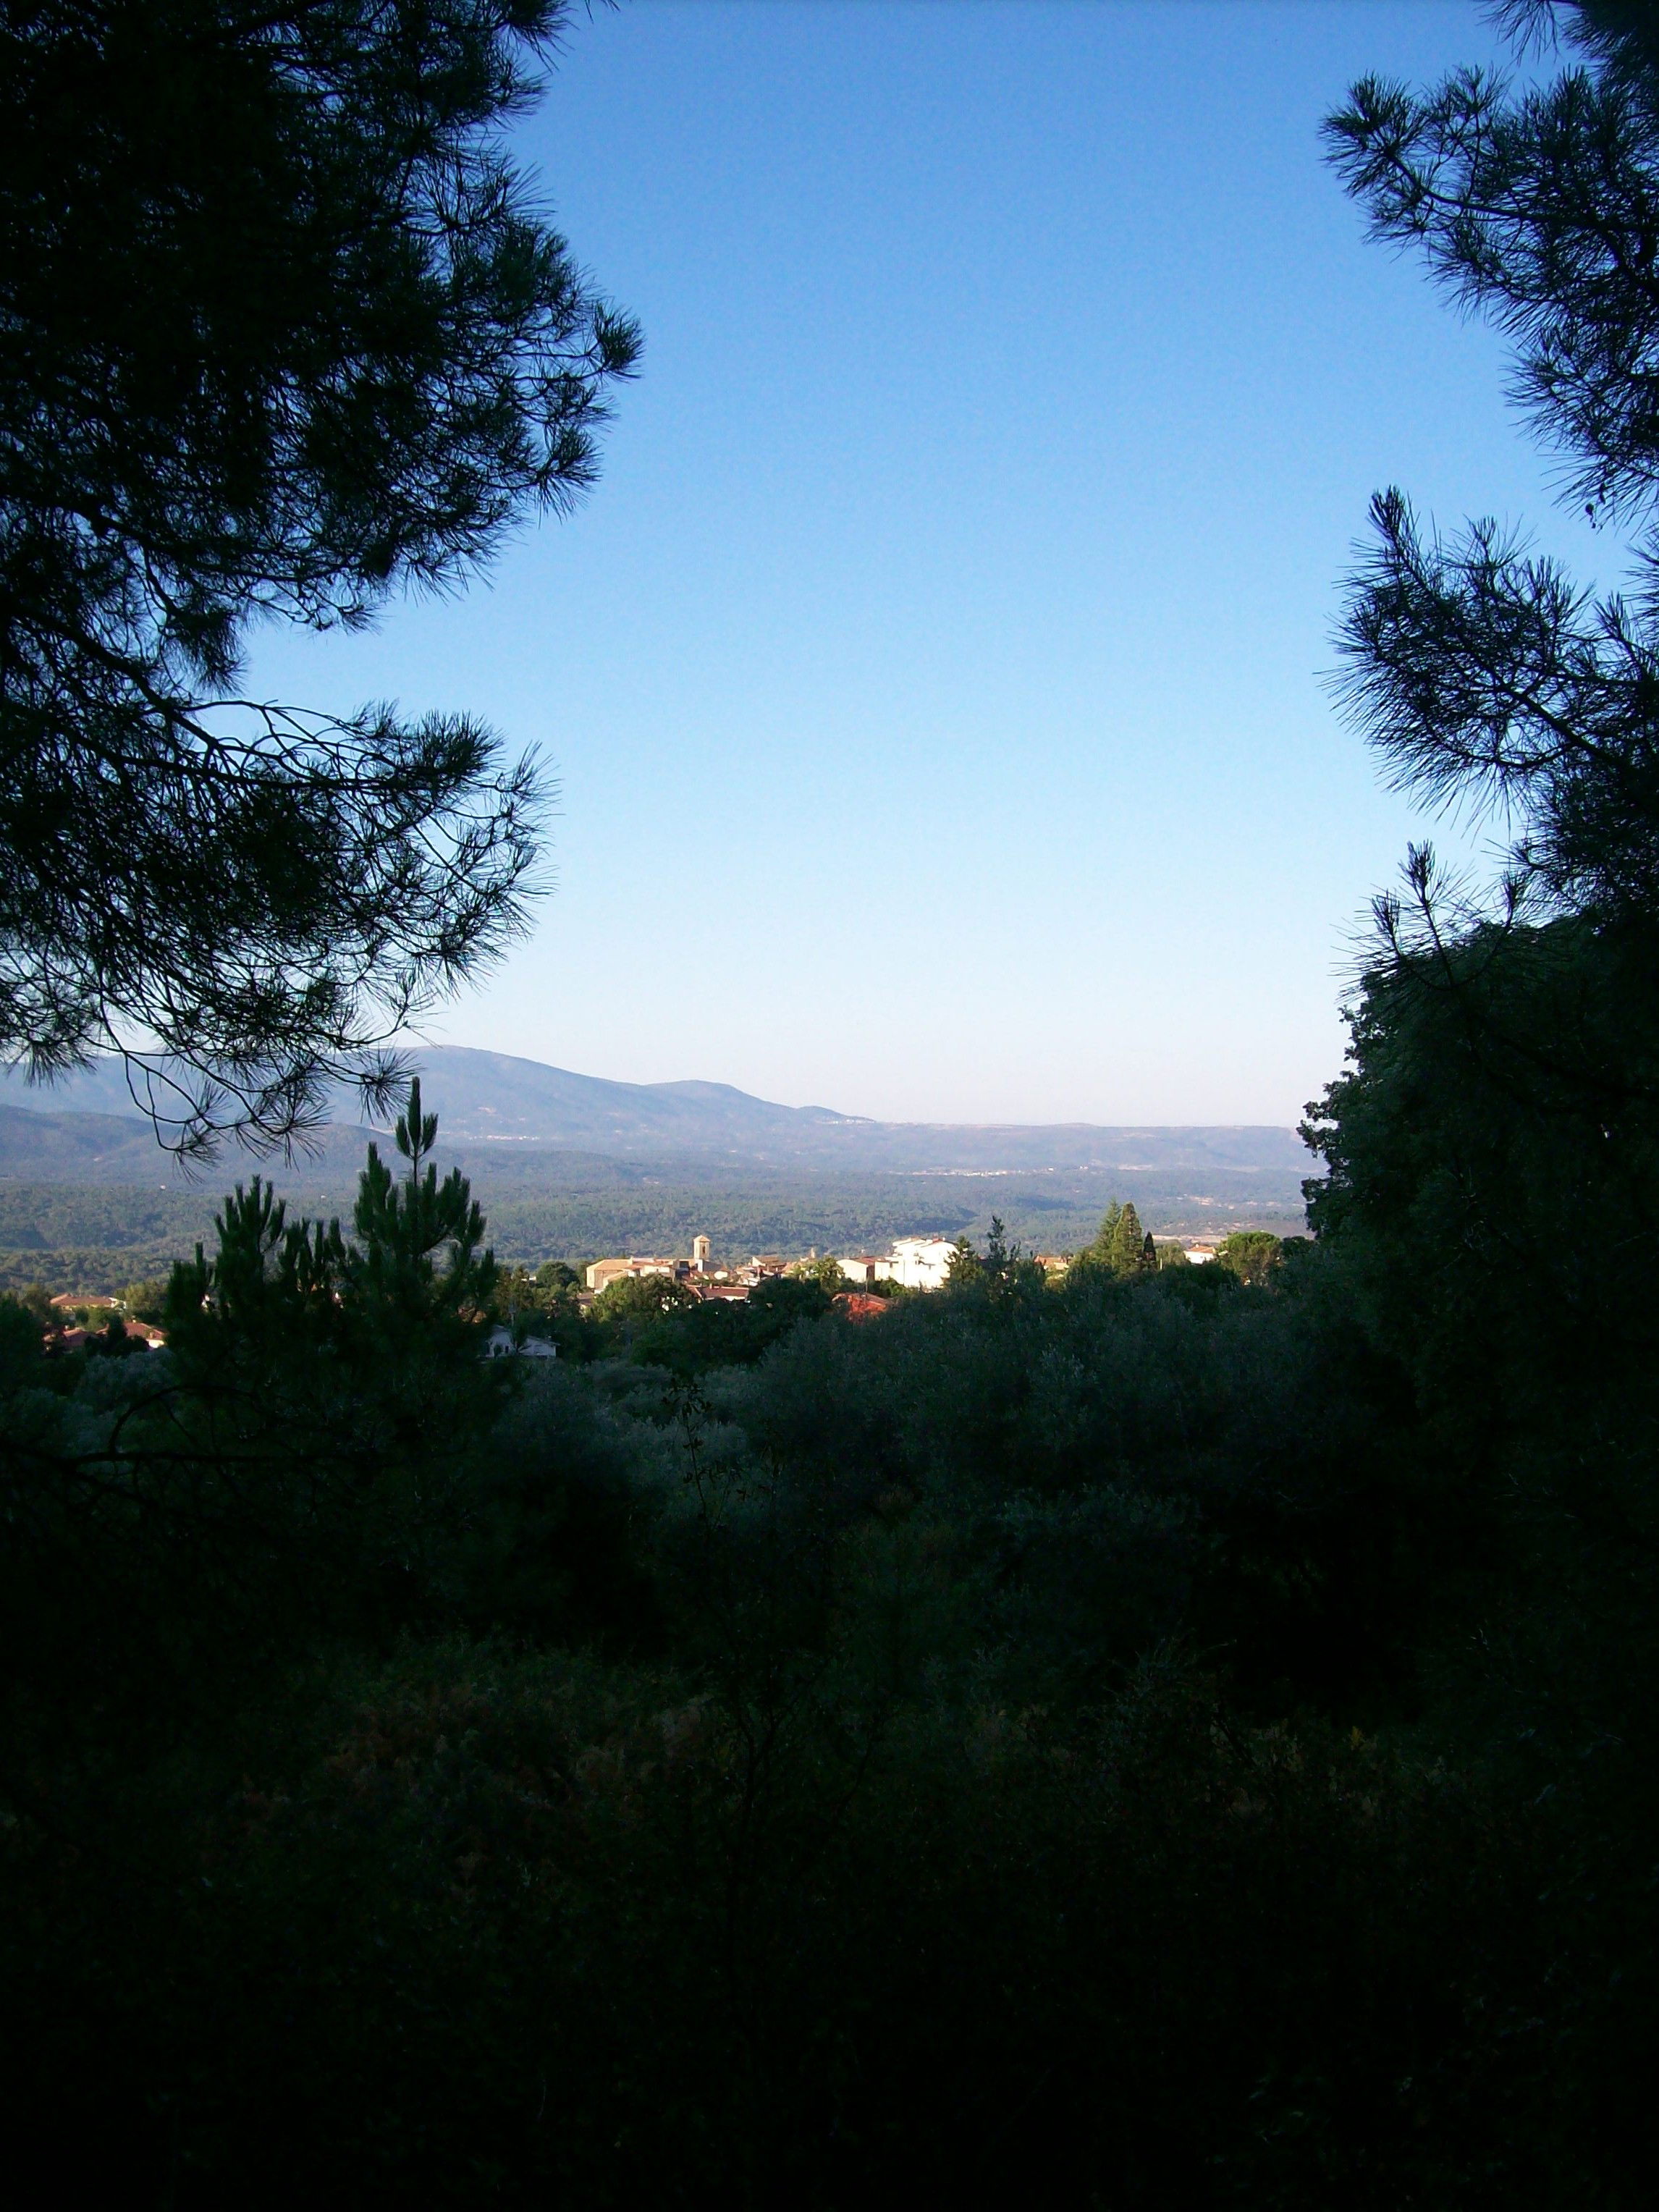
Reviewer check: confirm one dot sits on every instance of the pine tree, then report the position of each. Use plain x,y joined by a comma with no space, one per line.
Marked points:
1482,672
363,1349
966,1265
404,1229
286,335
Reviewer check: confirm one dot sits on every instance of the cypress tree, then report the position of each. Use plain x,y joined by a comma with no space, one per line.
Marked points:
1101,1250
1128,1241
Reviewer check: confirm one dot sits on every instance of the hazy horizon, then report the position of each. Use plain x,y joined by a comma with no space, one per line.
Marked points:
100,1088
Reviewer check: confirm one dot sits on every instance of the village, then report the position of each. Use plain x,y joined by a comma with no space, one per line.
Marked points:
910,1263
862,1285
73,1318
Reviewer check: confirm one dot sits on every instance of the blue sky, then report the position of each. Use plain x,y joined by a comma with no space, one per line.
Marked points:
934,679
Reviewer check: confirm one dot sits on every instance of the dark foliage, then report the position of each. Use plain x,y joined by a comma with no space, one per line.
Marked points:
1478,669
1166,1736
283,331
798,1781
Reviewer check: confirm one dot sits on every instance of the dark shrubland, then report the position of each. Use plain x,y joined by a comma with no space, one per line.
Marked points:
1162,1735
1013,1727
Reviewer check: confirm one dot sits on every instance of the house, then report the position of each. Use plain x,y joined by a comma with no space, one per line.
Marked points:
919,1263
603,1273
733,1294
1199,1255
863,1267
74,1338
860,1305
499,1344
84,1301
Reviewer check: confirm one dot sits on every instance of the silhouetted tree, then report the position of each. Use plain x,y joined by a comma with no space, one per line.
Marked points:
1486,676
1481,671
283,331
343,1360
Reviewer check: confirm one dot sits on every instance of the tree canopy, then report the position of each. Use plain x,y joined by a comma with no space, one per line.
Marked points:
1120,1245
1481,670
283,331
1198,1719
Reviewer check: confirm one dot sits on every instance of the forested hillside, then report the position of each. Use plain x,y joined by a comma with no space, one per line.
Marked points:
531,1110
99,1237
1152,1736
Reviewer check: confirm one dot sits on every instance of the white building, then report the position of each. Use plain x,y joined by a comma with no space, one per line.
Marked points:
499,1344
862,1269
917,1263
603,1273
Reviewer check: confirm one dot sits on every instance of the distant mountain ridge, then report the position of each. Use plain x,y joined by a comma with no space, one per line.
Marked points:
498,1100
